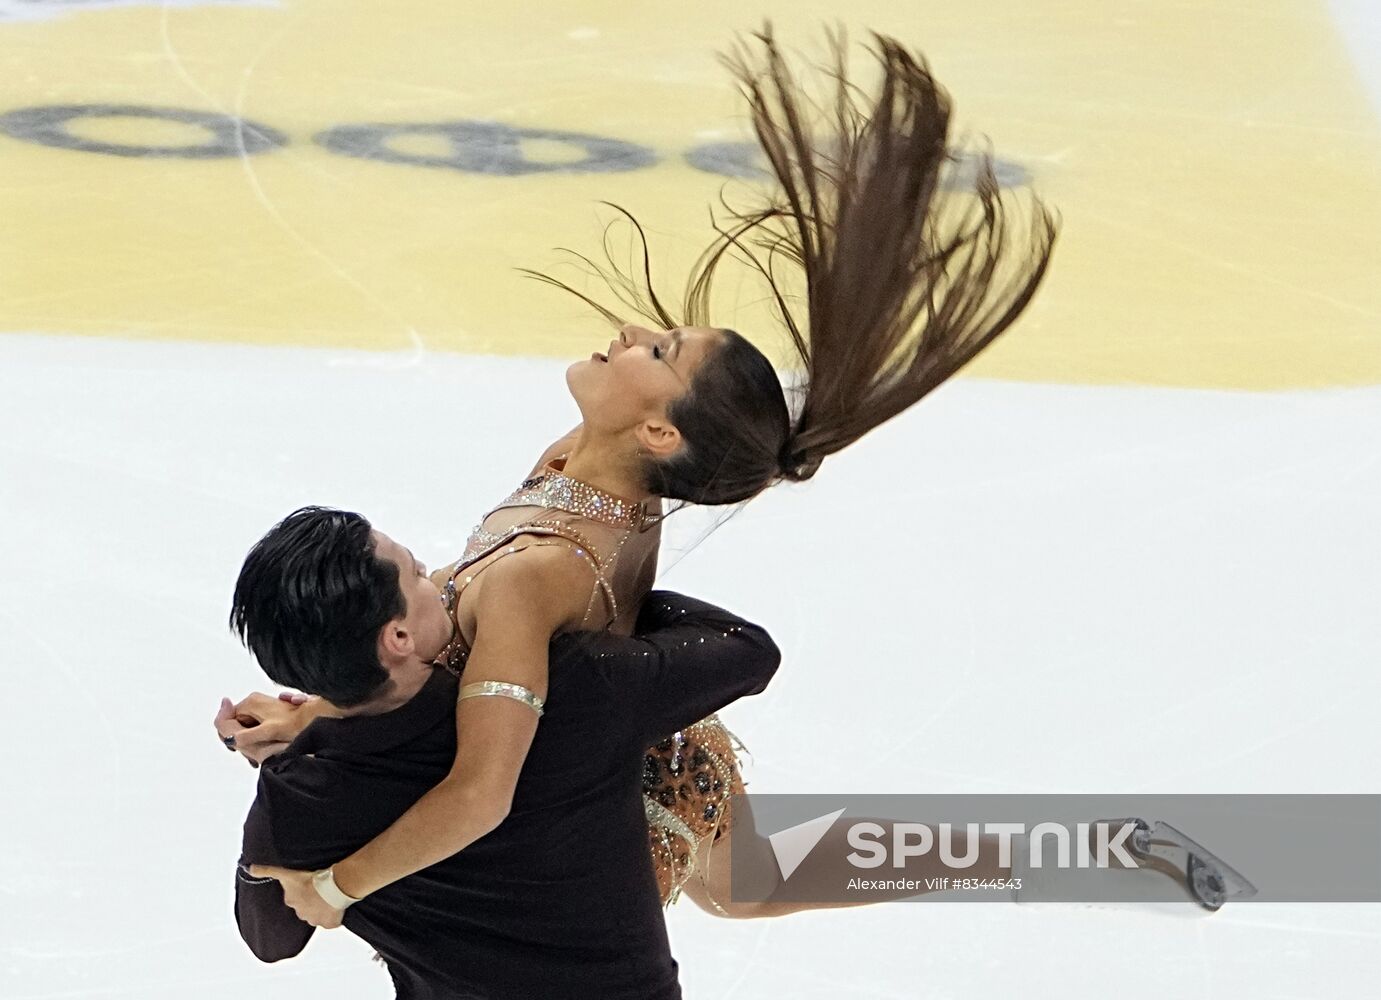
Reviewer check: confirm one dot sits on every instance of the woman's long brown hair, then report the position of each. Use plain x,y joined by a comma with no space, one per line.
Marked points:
905,280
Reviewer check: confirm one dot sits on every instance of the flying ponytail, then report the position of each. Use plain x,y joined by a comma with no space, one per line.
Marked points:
906,281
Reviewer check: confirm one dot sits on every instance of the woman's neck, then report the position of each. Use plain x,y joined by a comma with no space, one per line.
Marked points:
605,464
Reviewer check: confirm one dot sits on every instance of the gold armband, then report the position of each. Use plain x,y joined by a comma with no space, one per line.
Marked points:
502,689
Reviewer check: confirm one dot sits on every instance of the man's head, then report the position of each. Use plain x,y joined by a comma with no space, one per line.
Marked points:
334,608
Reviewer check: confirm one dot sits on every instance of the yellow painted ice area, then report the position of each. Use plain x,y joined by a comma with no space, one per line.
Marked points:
1217,166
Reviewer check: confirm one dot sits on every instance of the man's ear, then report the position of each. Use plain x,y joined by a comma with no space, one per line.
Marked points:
658,438
396,643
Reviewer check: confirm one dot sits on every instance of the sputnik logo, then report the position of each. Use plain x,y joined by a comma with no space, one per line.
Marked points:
792,845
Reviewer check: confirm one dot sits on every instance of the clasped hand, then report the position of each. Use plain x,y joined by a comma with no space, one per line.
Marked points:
301,896
262,725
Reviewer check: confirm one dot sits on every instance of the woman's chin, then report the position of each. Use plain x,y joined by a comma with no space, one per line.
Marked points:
575,375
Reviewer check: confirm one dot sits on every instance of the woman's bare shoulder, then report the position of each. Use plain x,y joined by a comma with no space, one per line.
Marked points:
550,581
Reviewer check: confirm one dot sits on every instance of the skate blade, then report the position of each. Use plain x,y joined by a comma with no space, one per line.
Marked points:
1208,879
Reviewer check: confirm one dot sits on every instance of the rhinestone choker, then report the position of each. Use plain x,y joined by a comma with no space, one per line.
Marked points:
557,490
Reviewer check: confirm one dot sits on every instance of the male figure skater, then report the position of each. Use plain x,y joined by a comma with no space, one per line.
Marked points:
559,900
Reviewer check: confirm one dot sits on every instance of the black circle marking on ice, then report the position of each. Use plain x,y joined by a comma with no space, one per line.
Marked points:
485,148
231,137
729,159
745,160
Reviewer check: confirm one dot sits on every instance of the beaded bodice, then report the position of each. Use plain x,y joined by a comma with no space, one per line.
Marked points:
554,490
592,524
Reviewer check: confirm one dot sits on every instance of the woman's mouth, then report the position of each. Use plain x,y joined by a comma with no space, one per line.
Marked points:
599,357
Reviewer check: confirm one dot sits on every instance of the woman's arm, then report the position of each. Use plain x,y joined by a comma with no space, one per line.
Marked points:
524,599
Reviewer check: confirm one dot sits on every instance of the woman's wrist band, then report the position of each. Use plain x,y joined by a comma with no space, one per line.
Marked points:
324,882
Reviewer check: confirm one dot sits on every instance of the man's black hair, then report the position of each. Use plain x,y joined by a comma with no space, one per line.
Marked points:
310,601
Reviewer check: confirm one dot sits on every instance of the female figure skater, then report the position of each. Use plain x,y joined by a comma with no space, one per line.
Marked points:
904,284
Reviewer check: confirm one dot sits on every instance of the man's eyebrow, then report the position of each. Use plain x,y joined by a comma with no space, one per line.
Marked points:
676,342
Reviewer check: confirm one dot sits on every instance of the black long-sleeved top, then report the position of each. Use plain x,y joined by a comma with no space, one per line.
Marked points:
560,901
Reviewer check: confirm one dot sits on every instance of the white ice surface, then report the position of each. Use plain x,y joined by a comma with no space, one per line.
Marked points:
1012,588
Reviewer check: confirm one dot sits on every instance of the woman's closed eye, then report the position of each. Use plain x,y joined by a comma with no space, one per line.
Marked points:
669,345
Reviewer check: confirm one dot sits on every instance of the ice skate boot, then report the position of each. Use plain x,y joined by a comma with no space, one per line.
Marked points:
1208,879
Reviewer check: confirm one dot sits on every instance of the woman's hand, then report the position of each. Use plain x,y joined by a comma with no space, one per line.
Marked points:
261,725
301,896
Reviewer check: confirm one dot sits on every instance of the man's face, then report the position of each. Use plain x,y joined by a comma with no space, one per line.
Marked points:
426,619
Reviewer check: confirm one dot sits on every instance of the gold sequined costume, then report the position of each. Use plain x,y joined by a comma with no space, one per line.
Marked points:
687,781
689,776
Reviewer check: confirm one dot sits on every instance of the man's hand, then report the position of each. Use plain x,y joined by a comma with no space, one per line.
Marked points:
261,725
301,896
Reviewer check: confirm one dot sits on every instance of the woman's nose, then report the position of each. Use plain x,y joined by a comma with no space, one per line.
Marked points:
630,334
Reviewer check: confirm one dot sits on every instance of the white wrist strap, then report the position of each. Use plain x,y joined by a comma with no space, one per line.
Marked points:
324,882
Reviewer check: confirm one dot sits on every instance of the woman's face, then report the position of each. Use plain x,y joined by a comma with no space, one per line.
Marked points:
639,376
